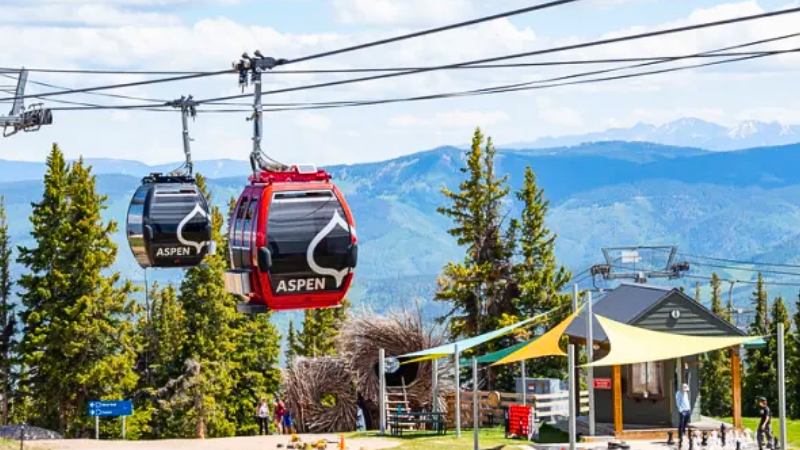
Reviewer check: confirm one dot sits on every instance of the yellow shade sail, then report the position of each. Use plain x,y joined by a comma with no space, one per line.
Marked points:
633,345
546,345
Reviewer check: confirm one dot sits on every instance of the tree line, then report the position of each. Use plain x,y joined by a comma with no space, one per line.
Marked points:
193,365
509,272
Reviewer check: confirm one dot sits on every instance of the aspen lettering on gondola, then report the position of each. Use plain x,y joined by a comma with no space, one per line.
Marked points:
168,222
292,241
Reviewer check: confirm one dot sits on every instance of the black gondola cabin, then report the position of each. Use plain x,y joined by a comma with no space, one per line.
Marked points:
169,224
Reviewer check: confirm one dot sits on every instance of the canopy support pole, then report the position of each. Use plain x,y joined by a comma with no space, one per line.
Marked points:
382,385
781,383
435,370
457,369
572,396
524,384
476,425
736,377
617,384
590,359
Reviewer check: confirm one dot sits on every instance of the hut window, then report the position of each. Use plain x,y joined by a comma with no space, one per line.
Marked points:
647,380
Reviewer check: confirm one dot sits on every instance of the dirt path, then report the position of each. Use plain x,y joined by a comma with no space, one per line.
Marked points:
237,443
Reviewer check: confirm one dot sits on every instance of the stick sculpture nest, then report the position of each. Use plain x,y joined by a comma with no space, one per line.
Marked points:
363,335
321,395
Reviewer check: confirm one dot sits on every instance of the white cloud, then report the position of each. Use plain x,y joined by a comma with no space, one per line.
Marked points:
312,121
402,12
558,115
451,119
86,15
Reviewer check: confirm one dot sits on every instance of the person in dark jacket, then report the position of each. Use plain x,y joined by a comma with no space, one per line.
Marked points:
765,425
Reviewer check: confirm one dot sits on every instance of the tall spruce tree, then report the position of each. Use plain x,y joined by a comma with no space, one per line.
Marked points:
320,328
292,344
209,314
78,341
697,291
476,288
756,381
778,314
793,369
538,276
715,371
8,319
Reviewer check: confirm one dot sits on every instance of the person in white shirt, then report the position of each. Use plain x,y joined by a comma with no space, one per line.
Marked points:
683,402
262,415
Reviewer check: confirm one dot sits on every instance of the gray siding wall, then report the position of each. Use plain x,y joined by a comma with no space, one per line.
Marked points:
693,320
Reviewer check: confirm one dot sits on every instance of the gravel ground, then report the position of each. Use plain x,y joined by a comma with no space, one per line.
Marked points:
238,443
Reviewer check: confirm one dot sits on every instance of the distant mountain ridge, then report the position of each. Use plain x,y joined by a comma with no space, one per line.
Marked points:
685,132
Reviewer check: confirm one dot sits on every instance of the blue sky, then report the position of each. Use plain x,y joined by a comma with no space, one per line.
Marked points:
210,34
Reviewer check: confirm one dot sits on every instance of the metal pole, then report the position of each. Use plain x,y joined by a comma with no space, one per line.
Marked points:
97,427
572,430
782,383
435,367
123,428
476,425
524,385
589,359
382,384
22,437
458,391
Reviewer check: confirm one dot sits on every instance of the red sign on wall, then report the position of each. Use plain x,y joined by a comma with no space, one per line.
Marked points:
602,383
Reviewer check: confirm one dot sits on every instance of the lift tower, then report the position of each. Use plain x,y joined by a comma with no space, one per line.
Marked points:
21,118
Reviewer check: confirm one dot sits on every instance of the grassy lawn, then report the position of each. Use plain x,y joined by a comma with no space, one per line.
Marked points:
792,428
490,438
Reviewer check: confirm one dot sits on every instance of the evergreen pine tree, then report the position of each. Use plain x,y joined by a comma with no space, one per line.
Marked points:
8,320
779,314
793,369
292,344
78,342
477,288
320,328
697,291
758,363
538,276
715,371
199,399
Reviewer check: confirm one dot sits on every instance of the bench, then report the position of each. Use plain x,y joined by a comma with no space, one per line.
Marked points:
437,420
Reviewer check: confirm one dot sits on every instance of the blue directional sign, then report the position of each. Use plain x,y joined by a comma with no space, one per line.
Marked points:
112,408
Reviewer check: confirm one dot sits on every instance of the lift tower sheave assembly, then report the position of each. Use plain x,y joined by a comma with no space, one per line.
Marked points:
626,263
20,118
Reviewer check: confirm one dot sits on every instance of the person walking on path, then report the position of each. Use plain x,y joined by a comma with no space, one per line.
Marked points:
280,410
765,425
262,415
684,406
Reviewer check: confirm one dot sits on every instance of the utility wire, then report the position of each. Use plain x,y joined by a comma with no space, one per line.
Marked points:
433,68
767,282
485,91
404,37
126,97
744,269
334,52
396,69
520,55
738,261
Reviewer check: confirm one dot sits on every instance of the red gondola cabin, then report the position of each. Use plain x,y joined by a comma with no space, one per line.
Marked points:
292,242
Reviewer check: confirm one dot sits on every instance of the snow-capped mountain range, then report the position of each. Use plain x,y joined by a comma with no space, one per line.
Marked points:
686,132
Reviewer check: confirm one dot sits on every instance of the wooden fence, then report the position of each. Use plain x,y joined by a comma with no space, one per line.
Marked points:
490,411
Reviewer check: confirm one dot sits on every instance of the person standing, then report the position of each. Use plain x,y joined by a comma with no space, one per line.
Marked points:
280,410
262,415
765,425
684,405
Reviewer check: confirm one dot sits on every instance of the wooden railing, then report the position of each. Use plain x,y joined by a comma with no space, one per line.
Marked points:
547,406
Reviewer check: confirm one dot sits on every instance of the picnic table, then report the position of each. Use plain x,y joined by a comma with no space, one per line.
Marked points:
437,420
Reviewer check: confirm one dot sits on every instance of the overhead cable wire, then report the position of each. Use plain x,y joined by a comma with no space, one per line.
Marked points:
328,53
737,261
744,269
767,282
562,48
489,91
403,37
428,69
555,63
125,97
